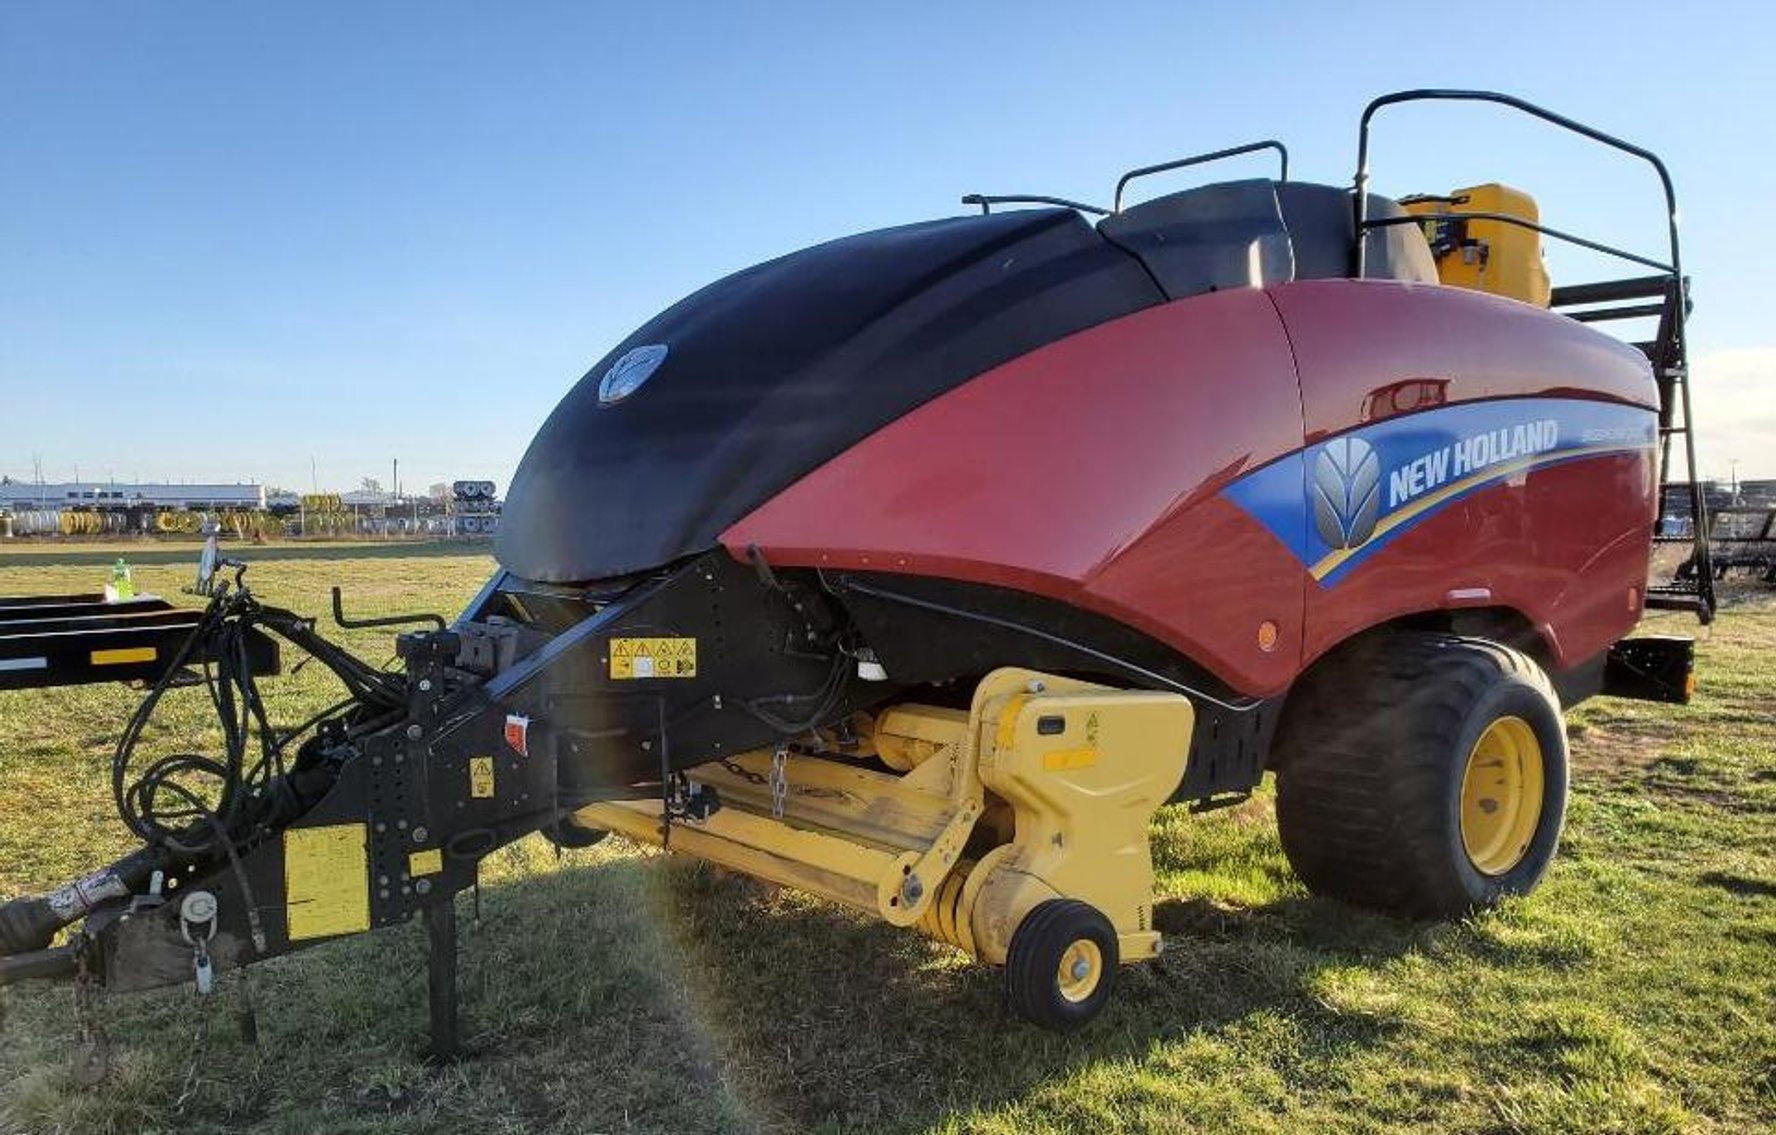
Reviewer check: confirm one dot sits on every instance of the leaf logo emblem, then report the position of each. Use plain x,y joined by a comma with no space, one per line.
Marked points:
628,373
1345,486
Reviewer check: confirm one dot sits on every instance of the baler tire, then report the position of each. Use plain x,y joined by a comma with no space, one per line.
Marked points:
1373,763
1048,936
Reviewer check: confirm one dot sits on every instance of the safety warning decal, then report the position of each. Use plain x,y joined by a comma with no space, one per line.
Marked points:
481,777
632,658
518,733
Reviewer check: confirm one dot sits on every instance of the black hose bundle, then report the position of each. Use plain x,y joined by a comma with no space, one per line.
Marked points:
166,803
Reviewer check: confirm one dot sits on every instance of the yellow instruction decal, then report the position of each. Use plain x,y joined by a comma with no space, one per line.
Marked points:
427,862
481,777
653,658
1062,760
326,881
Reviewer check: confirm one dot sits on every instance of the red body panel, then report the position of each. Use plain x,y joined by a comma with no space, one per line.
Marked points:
1092,470
1565,546
1086,471
1356,338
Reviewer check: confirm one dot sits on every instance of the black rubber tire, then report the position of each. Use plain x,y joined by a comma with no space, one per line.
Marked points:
1032,964
1371,753
570,836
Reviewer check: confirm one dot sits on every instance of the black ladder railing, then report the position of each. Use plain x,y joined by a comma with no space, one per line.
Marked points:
1692,585
1602,302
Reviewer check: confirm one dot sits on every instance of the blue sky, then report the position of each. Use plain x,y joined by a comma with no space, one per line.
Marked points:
238,237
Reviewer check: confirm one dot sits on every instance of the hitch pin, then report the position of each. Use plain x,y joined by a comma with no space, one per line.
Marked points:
199,910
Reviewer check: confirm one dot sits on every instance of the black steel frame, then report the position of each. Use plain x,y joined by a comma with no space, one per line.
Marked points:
1754,553
1668,351
987,201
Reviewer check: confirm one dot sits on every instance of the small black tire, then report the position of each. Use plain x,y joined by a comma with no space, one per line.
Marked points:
1061,968
570,836
1374,800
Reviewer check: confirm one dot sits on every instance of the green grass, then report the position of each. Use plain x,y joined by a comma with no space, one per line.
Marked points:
621,990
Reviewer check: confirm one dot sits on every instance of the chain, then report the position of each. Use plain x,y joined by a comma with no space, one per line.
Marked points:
779,780
92,1048
743,772
200,1050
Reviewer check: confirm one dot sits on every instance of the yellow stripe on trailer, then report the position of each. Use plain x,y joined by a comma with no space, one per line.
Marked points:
124,655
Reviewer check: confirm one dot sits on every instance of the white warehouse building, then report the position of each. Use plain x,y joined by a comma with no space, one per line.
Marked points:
19,495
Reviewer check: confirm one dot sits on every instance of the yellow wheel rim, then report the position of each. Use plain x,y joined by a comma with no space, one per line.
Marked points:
1081,968
1501,800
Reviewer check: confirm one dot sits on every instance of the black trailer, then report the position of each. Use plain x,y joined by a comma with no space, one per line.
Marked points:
1740,538
66,640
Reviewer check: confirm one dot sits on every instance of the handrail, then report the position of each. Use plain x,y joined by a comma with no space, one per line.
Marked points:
1509,219
1671,366
1200,159
986,202
385,621
1361,204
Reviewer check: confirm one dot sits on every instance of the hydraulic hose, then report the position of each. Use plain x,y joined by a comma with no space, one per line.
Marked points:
188,808
30,923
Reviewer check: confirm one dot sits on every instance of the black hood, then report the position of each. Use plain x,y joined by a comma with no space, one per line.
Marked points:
774,370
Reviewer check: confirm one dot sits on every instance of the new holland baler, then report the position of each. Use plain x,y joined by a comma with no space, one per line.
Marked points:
920,568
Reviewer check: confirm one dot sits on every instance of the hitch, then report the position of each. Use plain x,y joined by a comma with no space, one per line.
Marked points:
380,808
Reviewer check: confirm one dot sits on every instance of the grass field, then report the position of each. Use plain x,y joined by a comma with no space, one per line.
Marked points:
618,990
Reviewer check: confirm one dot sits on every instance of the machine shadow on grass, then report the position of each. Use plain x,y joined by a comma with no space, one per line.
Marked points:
660,994
888,1032
817,1018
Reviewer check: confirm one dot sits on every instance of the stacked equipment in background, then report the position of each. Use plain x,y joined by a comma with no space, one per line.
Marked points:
475,507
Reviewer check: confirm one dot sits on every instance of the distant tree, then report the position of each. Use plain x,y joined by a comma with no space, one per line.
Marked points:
439,491
370,485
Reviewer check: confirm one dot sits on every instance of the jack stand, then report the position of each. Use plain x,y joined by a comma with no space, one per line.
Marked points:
440,920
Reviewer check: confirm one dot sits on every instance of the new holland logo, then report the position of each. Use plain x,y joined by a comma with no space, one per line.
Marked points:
1346,490
628,373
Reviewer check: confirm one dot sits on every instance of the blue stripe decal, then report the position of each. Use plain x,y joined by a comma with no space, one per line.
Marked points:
1336,503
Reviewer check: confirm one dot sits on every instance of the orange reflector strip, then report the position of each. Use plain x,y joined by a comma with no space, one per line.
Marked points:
123,656
1689,686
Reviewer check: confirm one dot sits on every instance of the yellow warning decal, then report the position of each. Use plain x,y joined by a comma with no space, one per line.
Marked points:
123,655
481,777
1063,759
326,881
632,658
427,862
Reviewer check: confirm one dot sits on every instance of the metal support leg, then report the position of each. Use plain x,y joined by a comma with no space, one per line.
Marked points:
440,920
